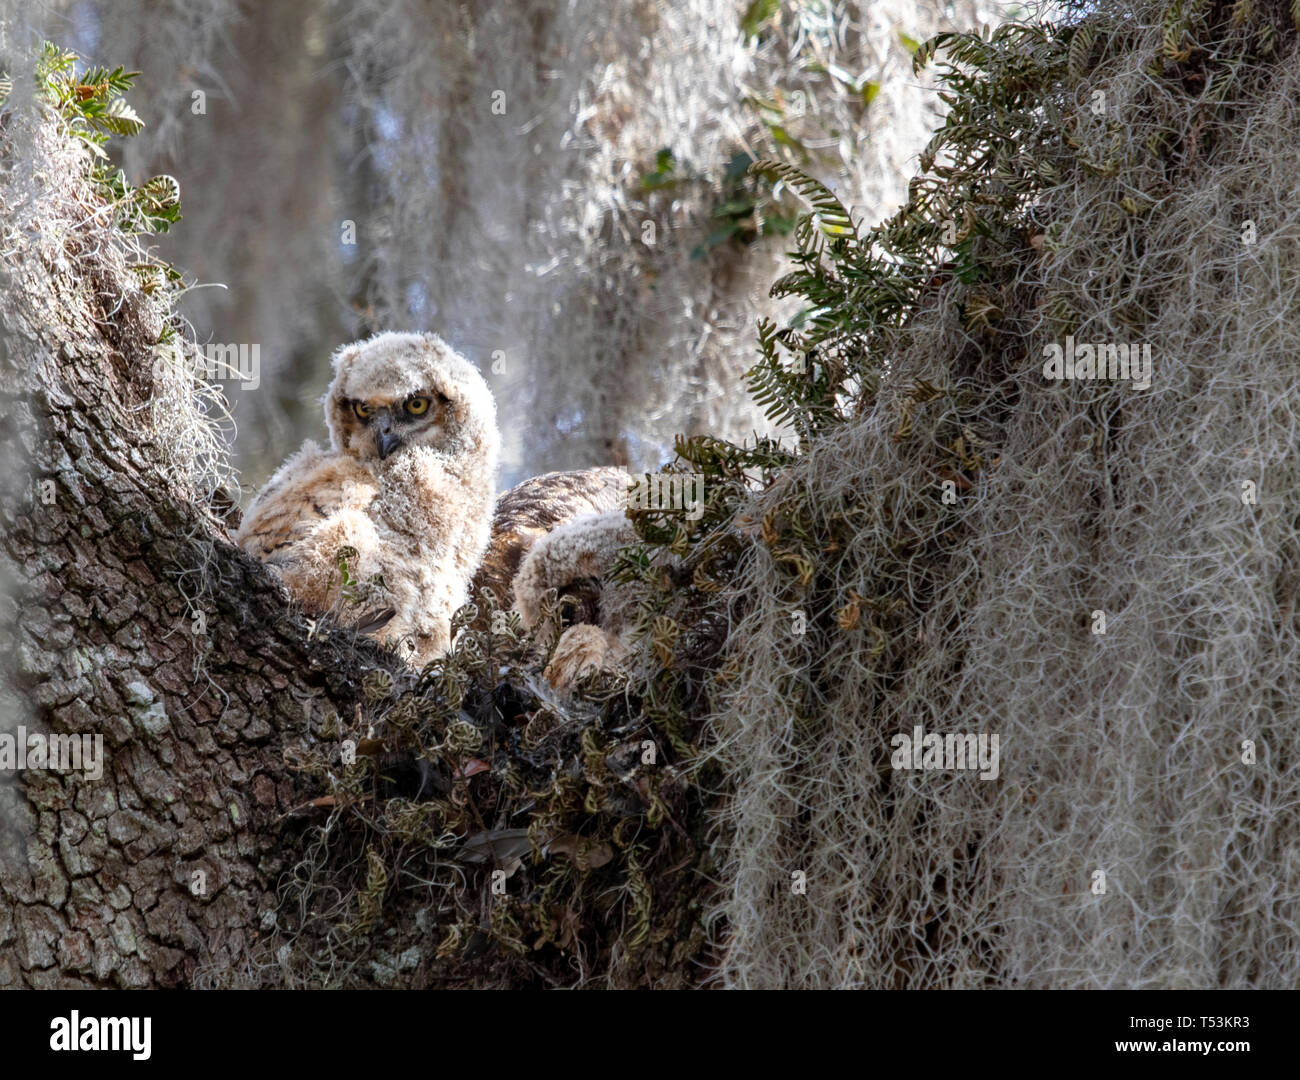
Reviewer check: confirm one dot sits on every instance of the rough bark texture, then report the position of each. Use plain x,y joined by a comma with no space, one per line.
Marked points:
98,879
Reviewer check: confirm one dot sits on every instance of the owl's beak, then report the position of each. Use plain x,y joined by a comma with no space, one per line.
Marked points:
386,440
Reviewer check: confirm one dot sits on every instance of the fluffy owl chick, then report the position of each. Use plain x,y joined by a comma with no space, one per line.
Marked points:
536,507
574,561
408,482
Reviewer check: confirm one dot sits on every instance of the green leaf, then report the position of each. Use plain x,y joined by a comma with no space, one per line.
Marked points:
657,181
757,15
664,175
767,105
118,119
784,138
831,217
92,143
735,208
159,195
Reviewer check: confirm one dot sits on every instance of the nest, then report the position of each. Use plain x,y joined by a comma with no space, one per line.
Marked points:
483,832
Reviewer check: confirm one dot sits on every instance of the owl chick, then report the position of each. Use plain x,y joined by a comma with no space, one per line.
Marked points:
575,560
536,507
400,506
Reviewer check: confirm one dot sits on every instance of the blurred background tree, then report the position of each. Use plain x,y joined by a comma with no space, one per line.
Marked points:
556,187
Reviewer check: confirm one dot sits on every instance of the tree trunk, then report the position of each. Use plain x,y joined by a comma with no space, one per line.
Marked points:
129,614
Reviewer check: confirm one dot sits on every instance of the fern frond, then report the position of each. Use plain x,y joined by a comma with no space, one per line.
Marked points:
1081,42
832,218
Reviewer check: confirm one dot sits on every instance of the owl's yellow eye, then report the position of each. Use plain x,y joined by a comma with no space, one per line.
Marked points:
417,406
363,411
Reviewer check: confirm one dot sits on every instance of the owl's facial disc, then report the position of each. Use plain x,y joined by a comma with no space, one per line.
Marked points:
416,419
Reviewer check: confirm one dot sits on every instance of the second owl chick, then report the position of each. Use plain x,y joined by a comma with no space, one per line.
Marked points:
408,483
575,560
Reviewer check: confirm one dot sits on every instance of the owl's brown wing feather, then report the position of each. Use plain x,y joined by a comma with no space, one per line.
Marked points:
533,508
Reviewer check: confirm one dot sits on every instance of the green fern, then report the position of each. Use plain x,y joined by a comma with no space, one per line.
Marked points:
827,211
90,106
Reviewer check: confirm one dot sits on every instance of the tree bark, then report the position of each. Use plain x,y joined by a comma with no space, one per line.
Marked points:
165,867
